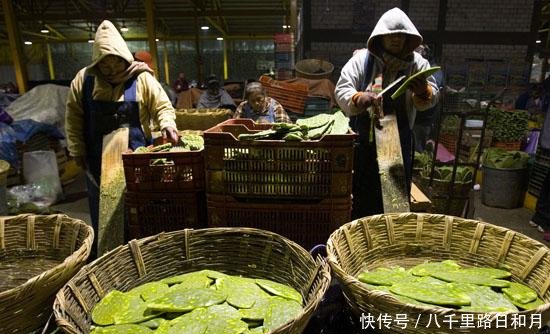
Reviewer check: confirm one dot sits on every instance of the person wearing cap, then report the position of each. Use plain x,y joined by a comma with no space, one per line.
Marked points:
181,84
145,57
389,55
215,96
114,91
260,107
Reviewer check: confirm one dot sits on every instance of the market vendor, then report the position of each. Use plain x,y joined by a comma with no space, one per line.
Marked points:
215,96
114,91
389,54
260,107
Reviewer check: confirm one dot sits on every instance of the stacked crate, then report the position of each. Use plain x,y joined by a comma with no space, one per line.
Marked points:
164,192
541,168
301,190
284,56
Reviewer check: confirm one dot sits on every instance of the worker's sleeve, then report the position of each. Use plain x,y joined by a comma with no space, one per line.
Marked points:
280,114
74,118
239,112
156,101
349,83
431,96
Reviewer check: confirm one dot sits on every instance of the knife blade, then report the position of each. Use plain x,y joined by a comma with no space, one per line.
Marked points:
390,86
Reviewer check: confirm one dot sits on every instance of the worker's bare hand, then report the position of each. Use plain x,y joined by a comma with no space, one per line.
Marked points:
368,99
419,86
170,134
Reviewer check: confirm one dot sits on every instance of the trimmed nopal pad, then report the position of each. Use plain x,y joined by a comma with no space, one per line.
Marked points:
184,300
122,329
520,293
438,294
528,306
472,277
427,268
384,276
225,319
135,311
256,330
153,323
279,289
192,280
280,312
241,292
483,298
150,291
104,312
258,311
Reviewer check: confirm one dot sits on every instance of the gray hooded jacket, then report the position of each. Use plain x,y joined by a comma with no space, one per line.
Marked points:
353,73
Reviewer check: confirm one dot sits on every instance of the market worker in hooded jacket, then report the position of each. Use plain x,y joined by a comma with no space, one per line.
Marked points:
389,54
114,91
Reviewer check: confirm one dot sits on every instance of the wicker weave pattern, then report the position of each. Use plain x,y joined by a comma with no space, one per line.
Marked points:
237,251
409,239
48,239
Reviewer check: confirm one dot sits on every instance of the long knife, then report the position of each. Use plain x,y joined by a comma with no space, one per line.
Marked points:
390,86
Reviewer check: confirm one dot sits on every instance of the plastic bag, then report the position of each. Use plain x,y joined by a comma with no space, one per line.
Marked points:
40,168
30,198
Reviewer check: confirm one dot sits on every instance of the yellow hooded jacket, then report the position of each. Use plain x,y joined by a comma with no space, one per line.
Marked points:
154,104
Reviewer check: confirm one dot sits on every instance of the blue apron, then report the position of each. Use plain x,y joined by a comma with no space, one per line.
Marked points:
268,117
100,119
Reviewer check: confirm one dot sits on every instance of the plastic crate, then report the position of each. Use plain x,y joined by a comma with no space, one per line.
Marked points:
307,224
152,213
183,171
283,38
292,96
276,169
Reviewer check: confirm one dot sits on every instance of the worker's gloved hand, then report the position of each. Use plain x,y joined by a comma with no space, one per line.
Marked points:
367,99
80,162
170,134
419,86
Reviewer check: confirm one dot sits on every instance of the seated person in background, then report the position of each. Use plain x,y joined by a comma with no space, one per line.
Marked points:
259,107
215,96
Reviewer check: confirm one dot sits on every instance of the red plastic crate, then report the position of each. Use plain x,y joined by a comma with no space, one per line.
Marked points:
184,171
308,224
152,213
276,169
291,96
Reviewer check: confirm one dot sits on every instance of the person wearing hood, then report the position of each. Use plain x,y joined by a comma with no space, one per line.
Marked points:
389,55
114,91
215,96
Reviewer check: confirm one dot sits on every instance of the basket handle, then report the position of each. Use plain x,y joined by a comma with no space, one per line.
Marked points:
317,250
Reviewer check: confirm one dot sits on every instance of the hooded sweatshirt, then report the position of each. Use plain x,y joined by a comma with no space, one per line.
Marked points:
154,105
353,73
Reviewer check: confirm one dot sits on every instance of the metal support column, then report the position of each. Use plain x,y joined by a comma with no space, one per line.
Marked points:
17,54
151,32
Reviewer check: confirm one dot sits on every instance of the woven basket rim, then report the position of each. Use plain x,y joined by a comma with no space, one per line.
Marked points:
87,242
338,270
320,273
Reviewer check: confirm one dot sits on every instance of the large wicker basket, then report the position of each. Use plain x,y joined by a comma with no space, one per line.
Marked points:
412,238
238,251
38,255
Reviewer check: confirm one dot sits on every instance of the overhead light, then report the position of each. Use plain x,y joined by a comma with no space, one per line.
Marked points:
285,26
538,41
124,28
28,43
219,38
44,31
156,39
205,27
90,39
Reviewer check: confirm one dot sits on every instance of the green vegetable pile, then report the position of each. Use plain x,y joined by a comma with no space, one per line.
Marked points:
305,129
464,174
446,283
187,142
508,126
502,159
205,302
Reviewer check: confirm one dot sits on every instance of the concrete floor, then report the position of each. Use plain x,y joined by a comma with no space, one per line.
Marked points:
76,205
